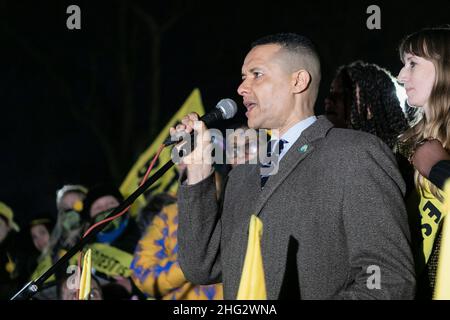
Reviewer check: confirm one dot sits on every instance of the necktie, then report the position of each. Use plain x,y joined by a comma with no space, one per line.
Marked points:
281,143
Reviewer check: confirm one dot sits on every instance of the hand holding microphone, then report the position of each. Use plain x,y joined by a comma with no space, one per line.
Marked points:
199,161
225,109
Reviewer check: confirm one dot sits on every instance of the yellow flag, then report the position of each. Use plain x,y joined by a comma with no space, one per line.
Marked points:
253,284
168,182
85,281
442,287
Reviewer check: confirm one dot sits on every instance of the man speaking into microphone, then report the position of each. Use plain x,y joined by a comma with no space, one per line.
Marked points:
333,214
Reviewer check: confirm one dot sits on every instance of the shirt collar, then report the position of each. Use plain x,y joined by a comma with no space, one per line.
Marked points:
296,130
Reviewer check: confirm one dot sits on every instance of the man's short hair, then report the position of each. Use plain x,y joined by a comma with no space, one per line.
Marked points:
290,41
303,53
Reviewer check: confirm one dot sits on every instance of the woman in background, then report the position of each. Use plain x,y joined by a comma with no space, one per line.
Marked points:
363,96
426,78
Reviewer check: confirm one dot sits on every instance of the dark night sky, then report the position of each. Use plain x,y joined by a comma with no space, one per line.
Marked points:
44,146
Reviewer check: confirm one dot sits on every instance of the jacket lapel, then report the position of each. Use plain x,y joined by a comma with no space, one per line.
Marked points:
251,187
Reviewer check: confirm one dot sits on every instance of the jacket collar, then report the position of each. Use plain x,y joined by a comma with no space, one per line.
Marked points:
302,148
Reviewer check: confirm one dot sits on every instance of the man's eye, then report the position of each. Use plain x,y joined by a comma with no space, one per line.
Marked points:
257,74
412,64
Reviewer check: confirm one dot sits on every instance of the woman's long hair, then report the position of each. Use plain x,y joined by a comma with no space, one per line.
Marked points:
432,44
371,97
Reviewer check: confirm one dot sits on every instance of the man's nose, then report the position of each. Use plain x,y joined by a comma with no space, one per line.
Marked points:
243,88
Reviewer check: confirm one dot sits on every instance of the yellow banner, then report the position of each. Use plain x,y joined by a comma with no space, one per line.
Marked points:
168,182
109,260
104,258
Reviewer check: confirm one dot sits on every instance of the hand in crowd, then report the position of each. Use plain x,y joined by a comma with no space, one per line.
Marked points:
427,155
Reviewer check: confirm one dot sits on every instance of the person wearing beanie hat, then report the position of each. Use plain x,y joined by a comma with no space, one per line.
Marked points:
70,196
123,232
65,233
109,196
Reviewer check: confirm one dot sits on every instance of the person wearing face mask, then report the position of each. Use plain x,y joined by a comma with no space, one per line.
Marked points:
426,78
69,225
123,232
113,247
65,234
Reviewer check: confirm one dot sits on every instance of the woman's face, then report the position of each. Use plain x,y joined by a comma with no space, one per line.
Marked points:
417,76
335,109
40,236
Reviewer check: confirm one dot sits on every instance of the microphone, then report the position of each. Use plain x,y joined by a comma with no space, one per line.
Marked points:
225,109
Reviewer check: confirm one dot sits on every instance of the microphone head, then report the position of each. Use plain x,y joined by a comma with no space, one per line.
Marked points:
227,107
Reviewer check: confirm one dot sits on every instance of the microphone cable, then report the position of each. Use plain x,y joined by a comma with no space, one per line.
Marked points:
147,173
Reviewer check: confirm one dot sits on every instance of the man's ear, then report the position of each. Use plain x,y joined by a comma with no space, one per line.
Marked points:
301,80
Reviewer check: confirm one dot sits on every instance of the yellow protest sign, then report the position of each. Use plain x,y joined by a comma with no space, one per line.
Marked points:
106,259
168,182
